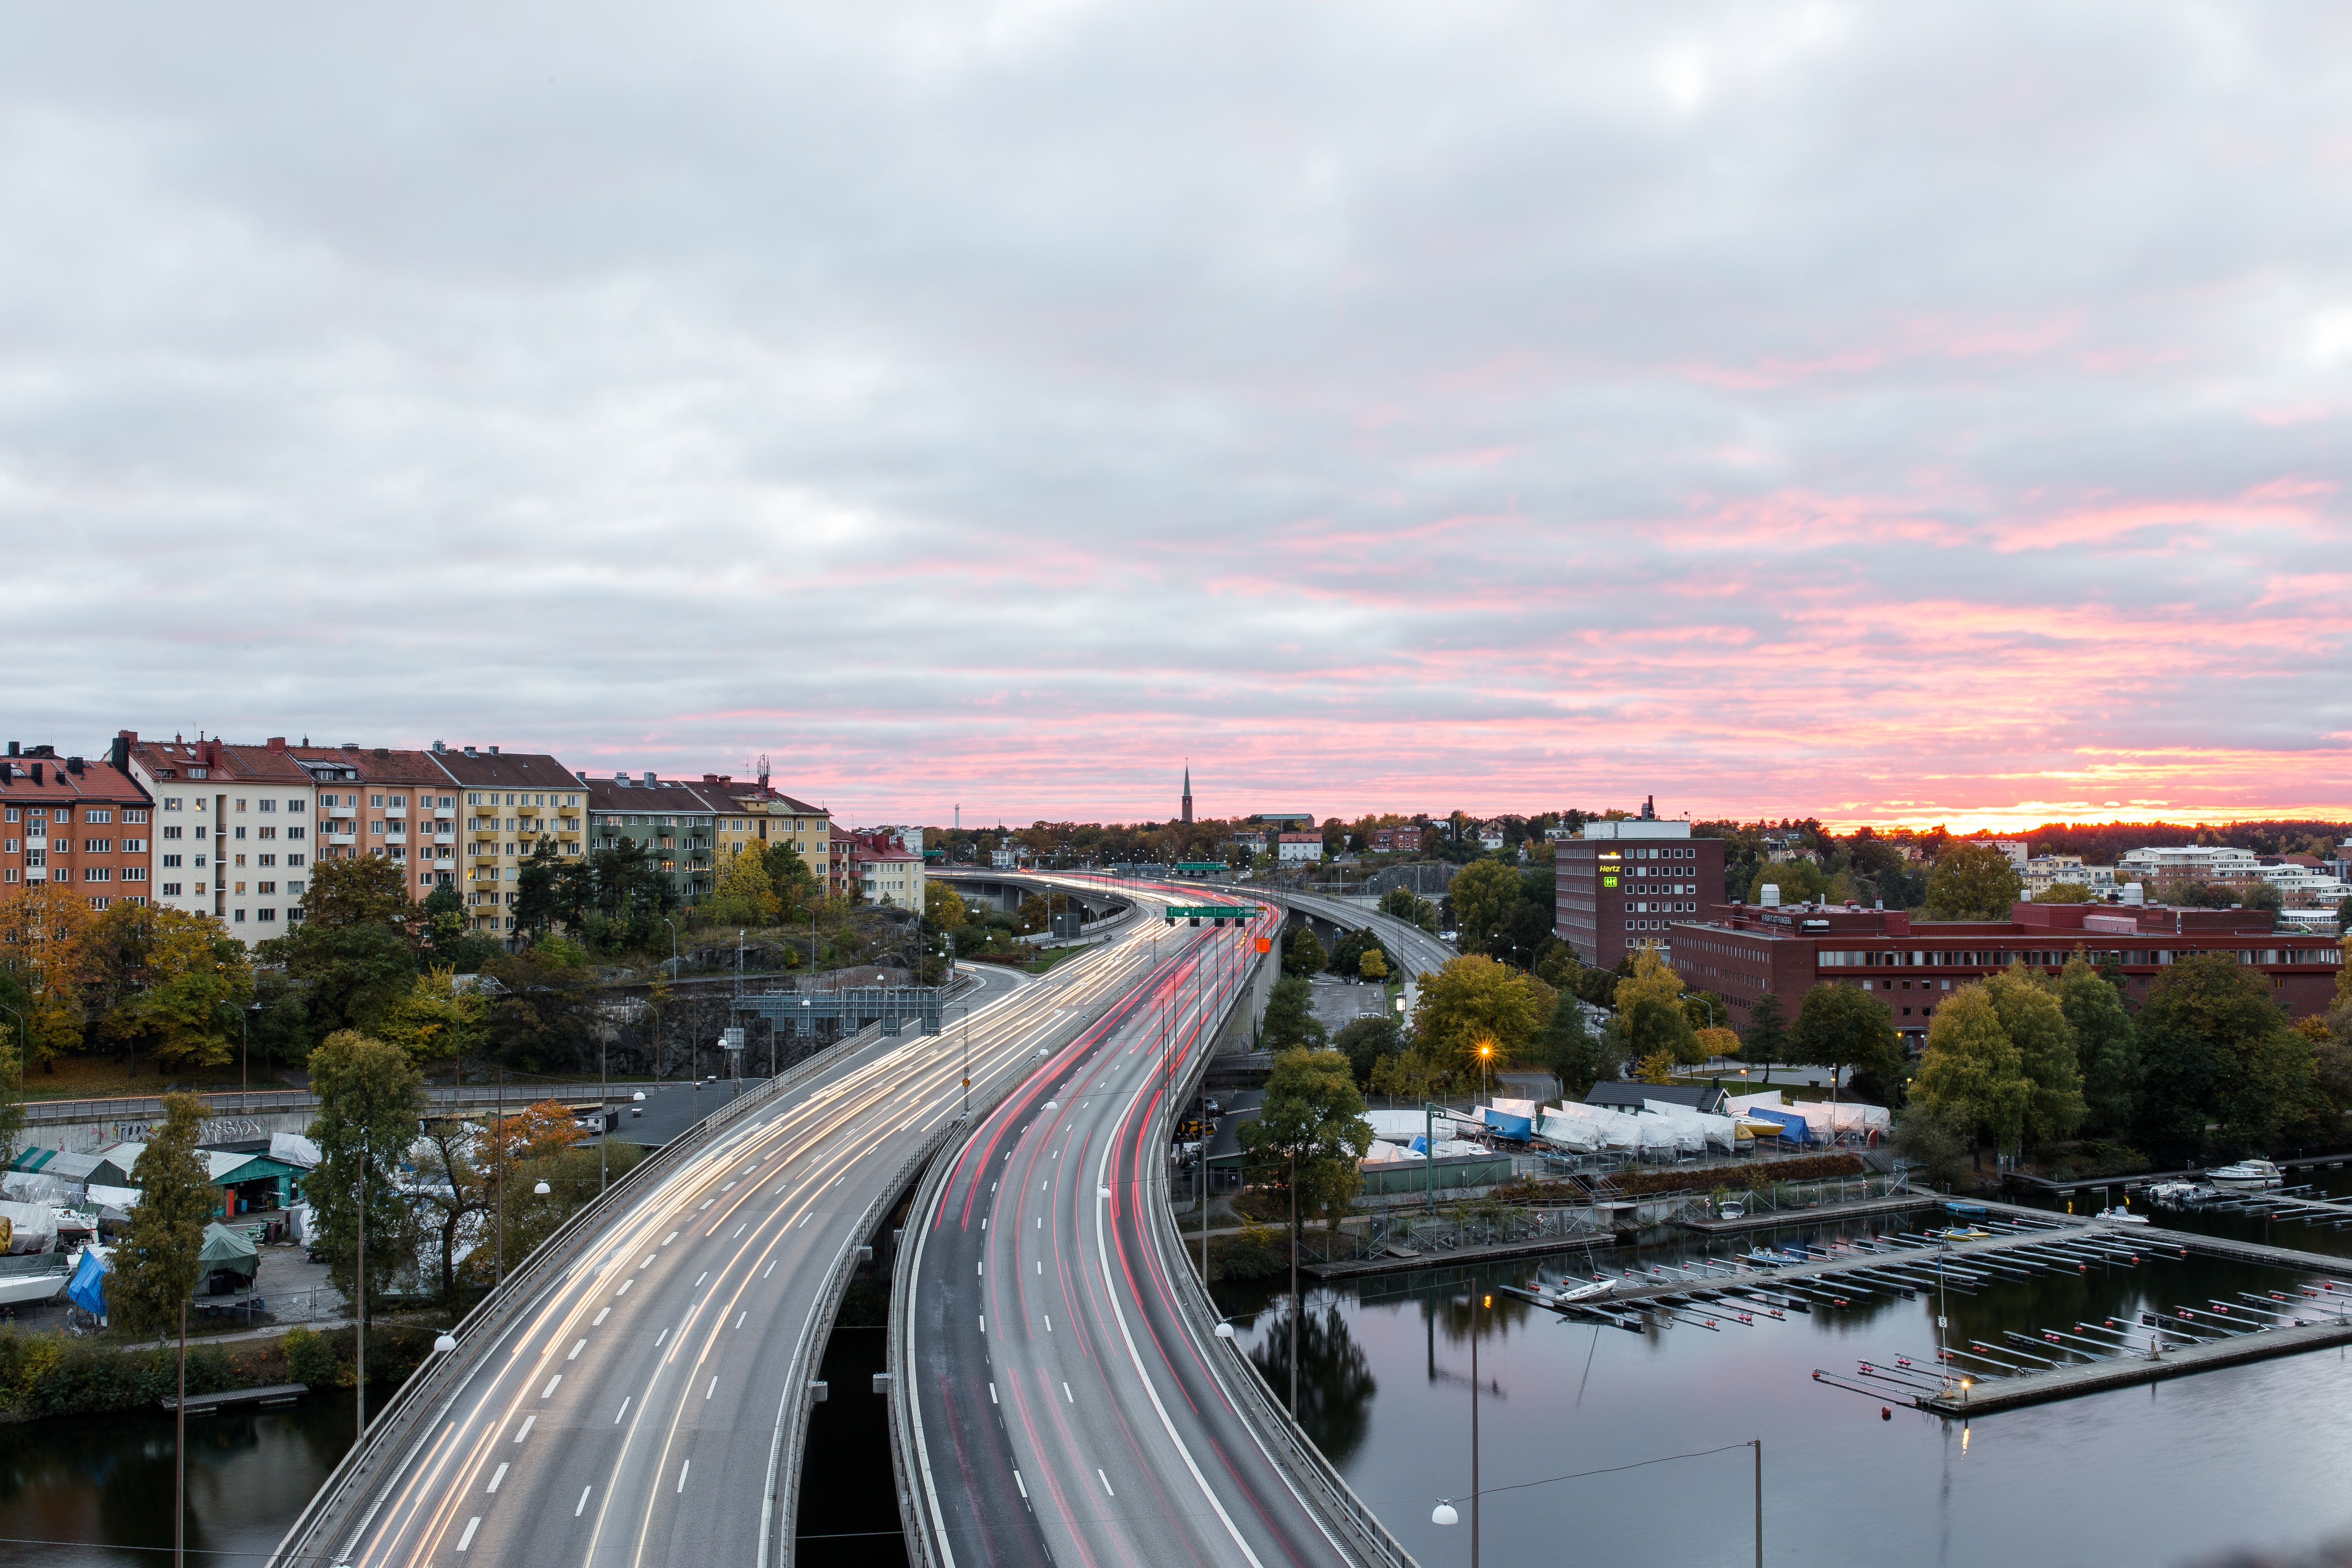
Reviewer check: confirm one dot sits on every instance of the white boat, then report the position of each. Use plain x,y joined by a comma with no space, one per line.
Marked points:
40,1277
2122,1215
2182,1195
1592,1293
2247,1175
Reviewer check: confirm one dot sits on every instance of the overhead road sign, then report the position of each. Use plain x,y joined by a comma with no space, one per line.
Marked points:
1220,913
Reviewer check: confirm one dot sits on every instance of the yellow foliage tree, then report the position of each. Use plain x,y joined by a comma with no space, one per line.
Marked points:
1475,1000
436,1019
1719,1042
44,941
1658,1066
192,984
743,896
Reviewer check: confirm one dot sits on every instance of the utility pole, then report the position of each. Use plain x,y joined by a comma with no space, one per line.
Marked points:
359,1316
1294,1299
1475,1499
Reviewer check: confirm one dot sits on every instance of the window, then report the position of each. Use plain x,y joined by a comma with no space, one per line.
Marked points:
171,803
134,846
94,815
240,832
264,887
264,859
294,832
172,830
293,859
265,914
171,862
239,916
96,873
199,862
240,859
293,889
171,889
134,873
474,798
269,806
376,826
265,833
98,846
240,805
200,830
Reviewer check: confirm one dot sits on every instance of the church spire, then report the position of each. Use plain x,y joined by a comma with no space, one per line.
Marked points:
1188,789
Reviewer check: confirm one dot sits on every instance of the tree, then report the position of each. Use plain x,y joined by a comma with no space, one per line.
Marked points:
539,898
1367,1040
1658,1066
1372,966
1972,1077
192,981
1842,1026
1475,1000
2036,1025
1648,1027
1568,1049
1768,1034
1800,882
1303,953
156,1269
1310,1124
2104,1053
2064,893
1971,880
366,890
44,933
1719,1043
1407,905
2262,896
2213,1047
743,896
437,1019
1290,1020
1482,893
370,1098
942,906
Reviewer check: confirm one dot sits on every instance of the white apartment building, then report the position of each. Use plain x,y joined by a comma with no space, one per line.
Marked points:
1291,849
232,830
2045,871
2205,862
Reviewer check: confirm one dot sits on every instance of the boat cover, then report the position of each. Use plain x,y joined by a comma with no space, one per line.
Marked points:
1397,1126
1504,1124
31,1226
88,1289
228,1251
1526,1107
1382,1152
1794,1128
1720,1132
293,1149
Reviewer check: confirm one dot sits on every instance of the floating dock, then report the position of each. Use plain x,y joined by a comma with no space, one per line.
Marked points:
269,1398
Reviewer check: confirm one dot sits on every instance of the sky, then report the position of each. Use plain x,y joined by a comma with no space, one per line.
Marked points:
1910,414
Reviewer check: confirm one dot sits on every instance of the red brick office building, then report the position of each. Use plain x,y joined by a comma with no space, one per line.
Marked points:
1742,950
1626,885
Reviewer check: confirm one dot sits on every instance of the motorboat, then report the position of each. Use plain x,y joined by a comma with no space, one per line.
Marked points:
1569,1295
2247,1175
1954,1232
38,1277
2122,1215
2182,1195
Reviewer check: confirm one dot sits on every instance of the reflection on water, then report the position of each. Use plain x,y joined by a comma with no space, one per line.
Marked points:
1335,1378
2154,1475
103,1483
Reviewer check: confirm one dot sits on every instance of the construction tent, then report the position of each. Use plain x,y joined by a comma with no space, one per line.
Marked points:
228,1251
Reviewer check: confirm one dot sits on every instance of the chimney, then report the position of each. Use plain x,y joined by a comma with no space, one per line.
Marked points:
470,751
130,735
275,743
73,765
121,755
649,781
352,746
494,751
619,778
36,772
439,749
382,753
13,749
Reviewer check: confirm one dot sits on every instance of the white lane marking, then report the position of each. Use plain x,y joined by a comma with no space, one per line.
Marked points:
992,1395
524,1431
583,1503
659,1337
981,1268
624,1287
576,1349
991,1186
623,1411
1068,1395
600,1316
551,1386
706,1204
983,1222
1049,1324
805,1219
1022,1483
1041,1222
682,1468
740,1316
698,1279
983,1323
728,1188
472,1525
1041,1266
741,1229
713,1388
1106,1482
771,1268
648,1263
499,1475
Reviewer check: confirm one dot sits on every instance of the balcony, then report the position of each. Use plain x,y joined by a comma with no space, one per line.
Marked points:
396,836
343,839
396,811
340,812
490,832
444,814
443,839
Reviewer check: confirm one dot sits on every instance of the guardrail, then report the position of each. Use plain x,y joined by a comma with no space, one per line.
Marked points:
401,1426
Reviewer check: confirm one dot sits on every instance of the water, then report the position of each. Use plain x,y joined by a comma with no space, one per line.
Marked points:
96,1491
2162,1474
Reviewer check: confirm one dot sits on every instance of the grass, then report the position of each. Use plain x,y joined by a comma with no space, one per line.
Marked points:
101,1078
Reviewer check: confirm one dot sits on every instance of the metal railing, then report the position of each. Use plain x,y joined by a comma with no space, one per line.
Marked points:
1792,1198
402,1422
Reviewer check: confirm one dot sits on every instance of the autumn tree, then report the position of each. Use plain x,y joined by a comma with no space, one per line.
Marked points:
1475,1000
156,1265
1840,1027
742,896
186,984
2105,1055
44,932
1971,880
437,1020
1972,1077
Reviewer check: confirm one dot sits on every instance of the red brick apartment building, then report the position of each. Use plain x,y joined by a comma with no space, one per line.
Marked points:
73,822
1742,950
1624,885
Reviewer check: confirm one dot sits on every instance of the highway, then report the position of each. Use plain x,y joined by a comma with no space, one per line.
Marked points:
1066,1409
1416,950
640,1410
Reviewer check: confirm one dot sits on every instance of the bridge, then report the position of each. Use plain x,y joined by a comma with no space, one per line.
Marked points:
638,1390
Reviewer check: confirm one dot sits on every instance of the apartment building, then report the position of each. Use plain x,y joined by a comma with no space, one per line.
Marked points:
2043,872
382,800
510,804
74,822
675,823
2220,863
1622,885
887,872
233,828
776,817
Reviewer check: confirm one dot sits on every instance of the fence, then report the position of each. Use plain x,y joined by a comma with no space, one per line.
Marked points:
1794,1197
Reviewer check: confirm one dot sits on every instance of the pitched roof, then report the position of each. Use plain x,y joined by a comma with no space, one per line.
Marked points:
510,770
58,784
374,765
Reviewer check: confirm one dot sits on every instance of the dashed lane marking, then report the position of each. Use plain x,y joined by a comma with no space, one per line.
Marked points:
472,1525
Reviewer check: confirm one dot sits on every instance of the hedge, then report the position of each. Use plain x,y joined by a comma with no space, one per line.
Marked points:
1755,1177
49,1375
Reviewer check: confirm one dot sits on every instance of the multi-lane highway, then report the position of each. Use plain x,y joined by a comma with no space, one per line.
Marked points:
640,1410
1066,1407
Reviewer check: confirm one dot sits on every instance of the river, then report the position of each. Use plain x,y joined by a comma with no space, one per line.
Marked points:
2167,1474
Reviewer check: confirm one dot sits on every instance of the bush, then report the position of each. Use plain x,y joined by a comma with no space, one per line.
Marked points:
1259,1252
1755,1177
309,1358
